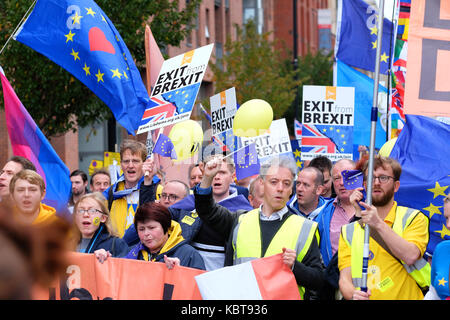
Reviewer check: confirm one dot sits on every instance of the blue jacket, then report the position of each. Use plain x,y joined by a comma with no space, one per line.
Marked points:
103,240
324,220
292,205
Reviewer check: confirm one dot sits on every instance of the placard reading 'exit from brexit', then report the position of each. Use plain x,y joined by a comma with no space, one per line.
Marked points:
223,109
327,117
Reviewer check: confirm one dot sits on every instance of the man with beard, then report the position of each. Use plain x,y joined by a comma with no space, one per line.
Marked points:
79,181
398,239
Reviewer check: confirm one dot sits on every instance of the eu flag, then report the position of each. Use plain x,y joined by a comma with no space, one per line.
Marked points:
356,38
78,36
296,153
246,161
349,77
183,99
28,141
352,179
423,149
164,146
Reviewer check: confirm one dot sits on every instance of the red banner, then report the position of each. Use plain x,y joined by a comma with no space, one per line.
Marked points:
122,279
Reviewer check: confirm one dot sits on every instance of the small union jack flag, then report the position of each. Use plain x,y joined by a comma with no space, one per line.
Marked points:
298,129
158,110
314,141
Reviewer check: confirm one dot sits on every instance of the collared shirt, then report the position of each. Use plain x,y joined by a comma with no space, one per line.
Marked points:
277,215
339,218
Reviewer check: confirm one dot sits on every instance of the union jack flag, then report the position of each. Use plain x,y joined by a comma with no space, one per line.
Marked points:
158,110
314,141
298,129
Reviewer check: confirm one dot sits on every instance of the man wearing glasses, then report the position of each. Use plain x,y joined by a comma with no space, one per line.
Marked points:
398,239
173,191
336,213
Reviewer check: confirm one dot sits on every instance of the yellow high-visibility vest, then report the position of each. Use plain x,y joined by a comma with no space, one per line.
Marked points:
295,233
354,233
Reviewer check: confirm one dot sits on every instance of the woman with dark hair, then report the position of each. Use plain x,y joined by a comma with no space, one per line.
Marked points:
161,240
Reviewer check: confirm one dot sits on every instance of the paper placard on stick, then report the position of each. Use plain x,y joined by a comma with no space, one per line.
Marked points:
175,91
223,109
274,143
328,115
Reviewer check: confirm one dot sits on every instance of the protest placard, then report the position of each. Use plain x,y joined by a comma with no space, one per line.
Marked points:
174,93
328,116
223,109
274,143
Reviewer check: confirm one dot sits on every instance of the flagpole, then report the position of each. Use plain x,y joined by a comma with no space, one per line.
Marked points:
373,119
22,21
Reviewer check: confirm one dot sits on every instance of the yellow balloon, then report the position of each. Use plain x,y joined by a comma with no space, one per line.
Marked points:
386,149
253,118
187,138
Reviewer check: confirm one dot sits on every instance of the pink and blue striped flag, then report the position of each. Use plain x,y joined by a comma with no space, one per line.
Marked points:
28,141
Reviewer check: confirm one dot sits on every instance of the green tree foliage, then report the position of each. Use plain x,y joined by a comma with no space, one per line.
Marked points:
256,70
316,69
54,98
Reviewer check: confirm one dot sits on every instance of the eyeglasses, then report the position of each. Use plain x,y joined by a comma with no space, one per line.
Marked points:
90,211
383,179
171,197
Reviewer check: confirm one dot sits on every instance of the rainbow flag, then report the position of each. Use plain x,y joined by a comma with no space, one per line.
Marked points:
28,141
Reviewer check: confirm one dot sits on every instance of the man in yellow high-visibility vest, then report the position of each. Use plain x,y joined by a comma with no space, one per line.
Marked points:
398,239
267,230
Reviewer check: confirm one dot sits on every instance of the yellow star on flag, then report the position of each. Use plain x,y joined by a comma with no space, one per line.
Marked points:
116,73
374,44
297,153
374,30
432,209
438,190
299,163
69,36
99,76
76,18
442,282
384,57
87,69
90,12
75,55
444,232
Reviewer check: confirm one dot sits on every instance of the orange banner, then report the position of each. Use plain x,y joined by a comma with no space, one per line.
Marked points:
427,90
122,279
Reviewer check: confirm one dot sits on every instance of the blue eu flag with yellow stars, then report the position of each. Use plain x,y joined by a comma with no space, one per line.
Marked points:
246,161
184,98
296,153
423,149
78,36
357,33
164,146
